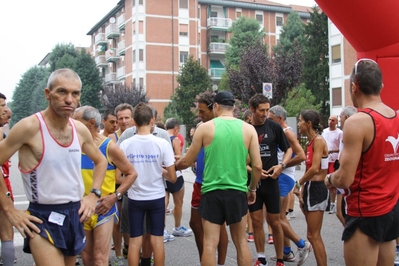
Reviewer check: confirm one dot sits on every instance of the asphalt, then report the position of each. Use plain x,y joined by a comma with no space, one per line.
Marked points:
183,251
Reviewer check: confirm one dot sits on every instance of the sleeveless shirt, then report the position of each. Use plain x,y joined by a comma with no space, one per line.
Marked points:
56,179
108,186
225,158
289,171
374,191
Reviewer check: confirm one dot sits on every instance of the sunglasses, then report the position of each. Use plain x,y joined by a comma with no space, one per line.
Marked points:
361,60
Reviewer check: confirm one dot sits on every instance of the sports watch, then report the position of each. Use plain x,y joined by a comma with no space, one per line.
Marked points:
96,191
118,195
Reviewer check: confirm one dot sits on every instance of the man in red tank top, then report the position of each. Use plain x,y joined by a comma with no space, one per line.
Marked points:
369,171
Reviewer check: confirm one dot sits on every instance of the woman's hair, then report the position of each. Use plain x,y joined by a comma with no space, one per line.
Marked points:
314,118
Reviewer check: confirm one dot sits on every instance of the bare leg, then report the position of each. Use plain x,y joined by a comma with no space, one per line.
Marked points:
211,240
7,240
178,209
134,250
289,233
238,236
45,254
196,226
314,219
278,236
117,235
339,209
259,232
222,246
159,250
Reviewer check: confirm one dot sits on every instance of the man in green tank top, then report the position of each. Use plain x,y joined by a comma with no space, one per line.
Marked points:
227,142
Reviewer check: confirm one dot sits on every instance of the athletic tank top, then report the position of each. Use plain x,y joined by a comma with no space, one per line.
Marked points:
200,166
178,172
290,171
116,136
108,186
225,158
56,179
374,191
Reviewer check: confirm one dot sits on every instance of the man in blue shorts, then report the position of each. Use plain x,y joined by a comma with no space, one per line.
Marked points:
225,195
49,145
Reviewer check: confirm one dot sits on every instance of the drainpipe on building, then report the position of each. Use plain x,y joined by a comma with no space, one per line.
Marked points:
173,55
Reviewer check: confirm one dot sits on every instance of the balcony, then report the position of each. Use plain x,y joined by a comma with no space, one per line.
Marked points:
120,21
121,48
110,78
215,23
100,61
121,73
100,39
218,48
111,55
216,73
112,31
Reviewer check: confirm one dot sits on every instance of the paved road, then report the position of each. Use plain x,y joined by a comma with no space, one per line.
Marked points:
183,251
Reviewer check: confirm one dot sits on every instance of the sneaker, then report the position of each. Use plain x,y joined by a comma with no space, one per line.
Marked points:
77,262
182,231
125,251
332,209
288,216
304,252
286,257
279,264
167,237
396,262
250,237
258,263
291,214
168,211
112,247
119,261
270,239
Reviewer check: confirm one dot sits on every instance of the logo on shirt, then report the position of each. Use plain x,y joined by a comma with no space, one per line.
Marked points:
74,150
262,137
395,146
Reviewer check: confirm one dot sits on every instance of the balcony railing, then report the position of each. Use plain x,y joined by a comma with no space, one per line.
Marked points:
111,78
100,61
111,55
216,73
218,48
121,73
112,31
219,23
100,39
121,48
120,21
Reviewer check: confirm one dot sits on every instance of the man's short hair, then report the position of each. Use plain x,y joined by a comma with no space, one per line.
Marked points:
257,99
63,72
88,113
348,111
171,123
368,76
107,113
206,98
279,111
123,106
2,96
246,114
142,114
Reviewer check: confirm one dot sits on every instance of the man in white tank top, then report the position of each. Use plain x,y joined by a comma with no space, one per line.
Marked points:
49,146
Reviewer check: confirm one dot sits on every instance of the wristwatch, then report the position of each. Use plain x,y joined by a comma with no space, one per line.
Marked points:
96,191
283,165
118,195
297,184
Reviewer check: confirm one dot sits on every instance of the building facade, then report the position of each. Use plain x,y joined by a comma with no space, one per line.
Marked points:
145,42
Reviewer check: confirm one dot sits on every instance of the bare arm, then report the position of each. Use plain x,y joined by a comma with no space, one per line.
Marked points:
119,159
318,148
296,148
88,203
191,155
256,164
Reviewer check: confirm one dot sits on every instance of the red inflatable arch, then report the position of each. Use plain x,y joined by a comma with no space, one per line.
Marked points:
372,28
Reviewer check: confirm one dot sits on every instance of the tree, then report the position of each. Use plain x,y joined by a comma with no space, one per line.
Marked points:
246,31
22,97
257,67
316,70
63,55
112,97
193,79
292,31
39,101
300,99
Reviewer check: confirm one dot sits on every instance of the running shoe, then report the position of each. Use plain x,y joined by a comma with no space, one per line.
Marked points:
182,231
304,252
167,237
286,257
250,237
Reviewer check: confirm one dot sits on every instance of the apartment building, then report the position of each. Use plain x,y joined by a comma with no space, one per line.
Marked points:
342,58
145,42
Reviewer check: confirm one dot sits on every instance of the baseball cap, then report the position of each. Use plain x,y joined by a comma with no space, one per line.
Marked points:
224,98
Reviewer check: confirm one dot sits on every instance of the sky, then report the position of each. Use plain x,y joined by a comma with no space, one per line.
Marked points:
32,28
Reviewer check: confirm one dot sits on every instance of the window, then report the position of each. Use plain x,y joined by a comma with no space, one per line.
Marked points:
336,54
134,82
134,27
141,82
183,30
141,27
259,17
141,55
238,12
141,2
279,21
336,97
134,55
183,4
214,14
183,57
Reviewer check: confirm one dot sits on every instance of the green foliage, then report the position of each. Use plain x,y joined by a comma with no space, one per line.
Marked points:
316,70
85,66
292,31
246,31
62,56
39,101
300,99
224,83
193,79
112,97
22,97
